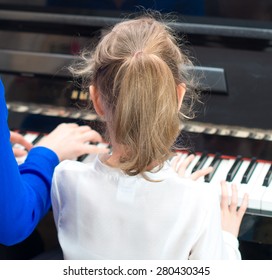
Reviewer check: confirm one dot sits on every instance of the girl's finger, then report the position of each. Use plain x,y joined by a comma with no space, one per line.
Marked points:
241,211
224,195
234,198
201,172
184,164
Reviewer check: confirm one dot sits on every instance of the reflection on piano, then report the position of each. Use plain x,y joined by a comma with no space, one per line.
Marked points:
233,132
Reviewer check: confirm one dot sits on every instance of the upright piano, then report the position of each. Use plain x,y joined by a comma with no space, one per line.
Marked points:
232,130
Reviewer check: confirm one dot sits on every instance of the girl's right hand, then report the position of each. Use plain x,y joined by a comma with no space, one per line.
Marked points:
231,215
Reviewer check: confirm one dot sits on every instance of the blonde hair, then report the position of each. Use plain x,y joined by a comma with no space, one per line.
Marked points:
136,68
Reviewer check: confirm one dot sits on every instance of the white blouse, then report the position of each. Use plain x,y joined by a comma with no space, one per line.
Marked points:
102,213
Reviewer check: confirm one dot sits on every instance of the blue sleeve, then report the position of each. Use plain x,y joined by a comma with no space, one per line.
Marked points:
24,189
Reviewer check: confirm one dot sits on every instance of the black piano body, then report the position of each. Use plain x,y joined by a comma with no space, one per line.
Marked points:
233,61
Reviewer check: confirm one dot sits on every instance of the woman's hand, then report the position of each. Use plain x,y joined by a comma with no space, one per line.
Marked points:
69,141
230,216
17,138
180,167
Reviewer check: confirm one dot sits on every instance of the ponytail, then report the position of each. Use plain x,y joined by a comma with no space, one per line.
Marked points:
146,119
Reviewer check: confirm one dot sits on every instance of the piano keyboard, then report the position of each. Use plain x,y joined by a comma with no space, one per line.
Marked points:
251,175
34,137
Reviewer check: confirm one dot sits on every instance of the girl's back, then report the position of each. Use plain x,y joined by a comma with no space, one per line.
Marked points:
102,213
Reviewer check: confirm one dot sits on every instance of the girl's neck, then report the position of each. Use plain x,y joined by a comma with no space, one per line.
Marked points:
113,160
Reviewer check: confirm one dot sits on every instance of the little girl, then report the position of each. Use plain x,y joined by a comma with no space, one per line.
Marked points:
131,204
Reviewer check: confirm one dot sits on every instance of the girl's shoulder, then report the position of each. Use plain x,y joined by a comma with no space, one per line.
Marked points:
77,164
198,190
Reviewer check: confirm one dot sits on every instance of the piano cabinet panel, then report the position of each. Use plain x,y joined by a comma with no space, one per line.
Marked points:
255,238
248,77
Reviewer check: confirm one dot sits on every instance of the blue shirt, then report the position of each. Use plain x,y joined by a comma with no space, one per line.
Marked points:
24,189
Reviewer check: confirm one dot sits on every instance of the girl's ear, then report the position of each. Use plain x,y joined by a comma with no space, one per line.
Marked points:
181,89
95,97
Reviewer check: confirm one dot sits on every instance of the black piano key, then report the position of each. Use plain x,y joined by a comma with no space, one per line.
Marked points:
268,177
38,138
22,132
81,158
234,169
200,162
215,163
249,171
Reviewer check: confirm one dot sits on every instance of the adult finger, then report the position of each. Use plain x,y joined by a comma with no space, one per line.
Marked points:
19,139
94,149
91,136
84,128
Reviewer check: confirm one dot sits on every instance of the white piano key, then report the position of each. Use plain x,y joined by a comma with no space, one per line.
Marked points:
240,173
102,145
252,188
268,177
221,174
189,169
222,171
238,179
89,158
30,137
206,165
266,198
182,156
266,203
257,191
